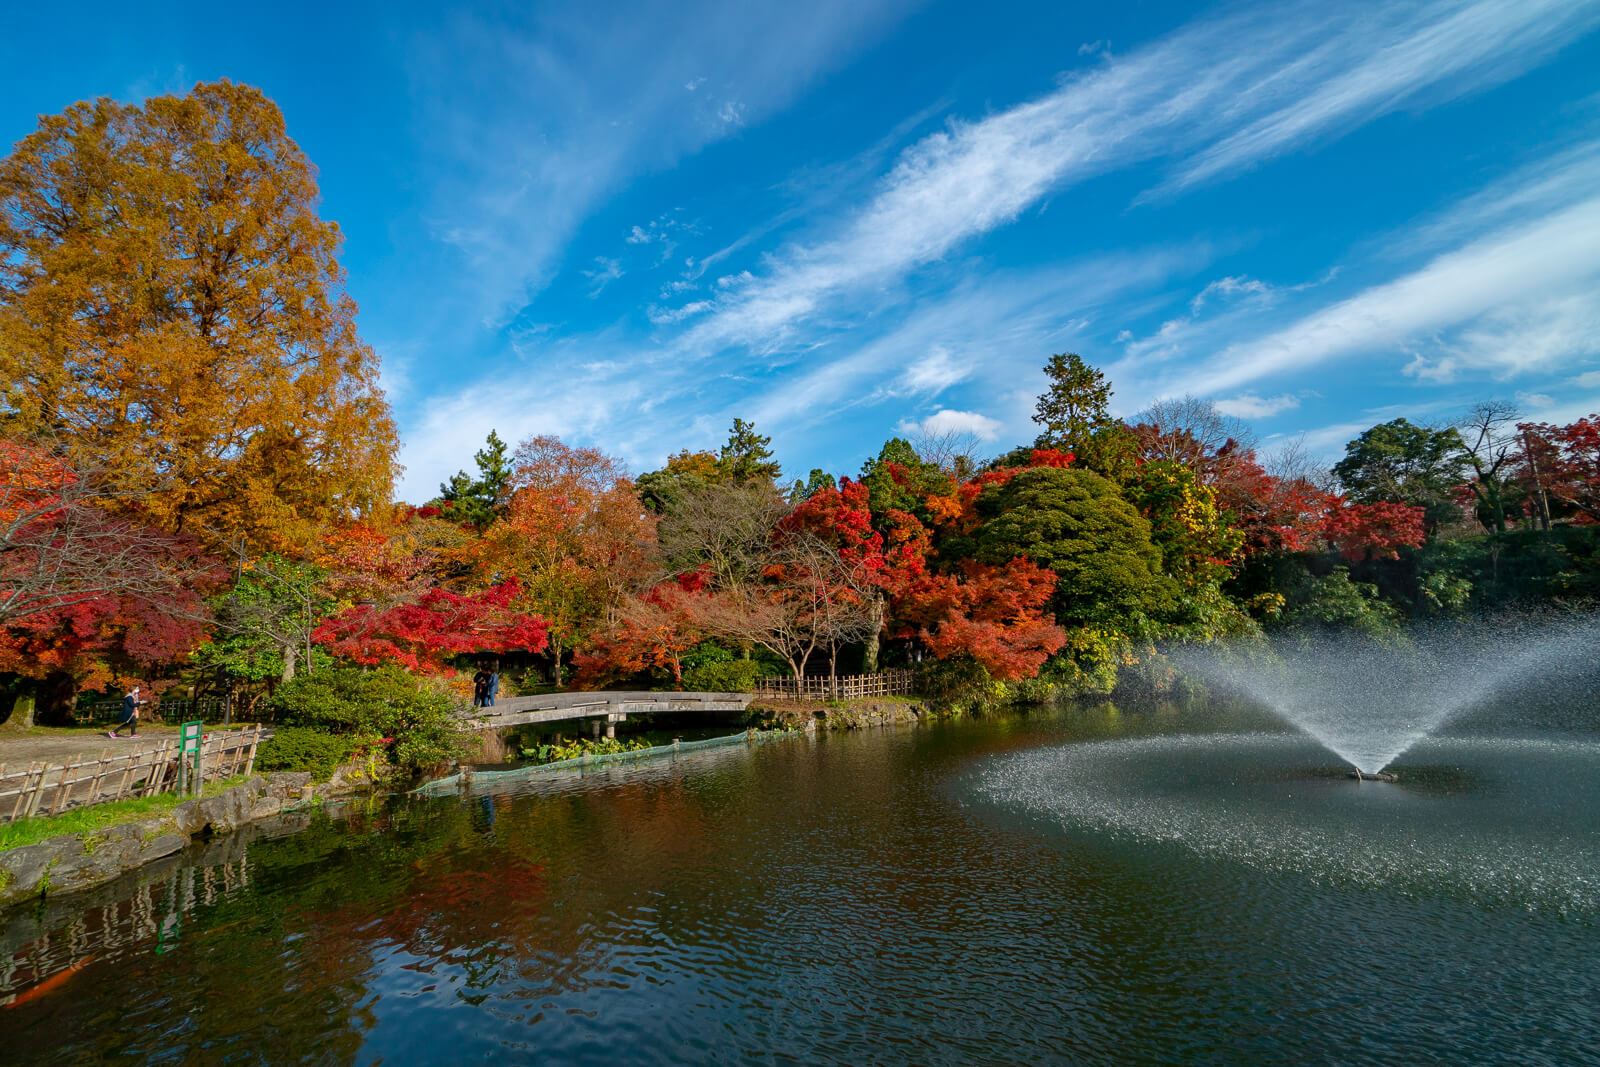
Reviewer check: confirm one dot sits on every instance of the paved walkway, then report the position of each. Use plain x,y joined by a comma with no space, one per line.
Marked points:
18,748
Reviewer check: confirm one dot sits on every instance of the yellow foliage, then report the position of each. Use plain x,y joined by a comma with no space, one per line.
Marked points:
170,302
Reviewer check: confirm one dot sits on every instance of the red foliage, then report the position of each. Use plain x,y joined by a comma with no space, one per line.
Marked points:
652,632
103,641
1568,465
1372,531
1051,457
993,614
422,634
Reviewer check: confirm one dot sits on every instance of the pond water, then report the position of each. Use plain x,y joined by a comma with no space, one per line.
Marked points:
1089,885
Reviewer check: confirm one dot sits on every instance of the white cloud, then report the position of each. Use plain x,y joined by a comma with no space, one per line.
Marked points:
1392,56
1588,380
1543,273
958,422
1227,92
1251,406
603,273
535,115
666,316
1229,286
936,371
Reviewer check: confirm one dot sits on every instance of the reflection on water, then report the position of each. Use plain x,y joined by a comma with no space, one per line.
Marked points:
838,899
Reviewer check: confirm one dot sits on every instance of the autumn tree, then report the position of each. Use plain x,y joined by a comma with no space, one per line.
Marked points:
993,614
574,536
1562,464
66,538
1399,462
171,303
685,471
424,634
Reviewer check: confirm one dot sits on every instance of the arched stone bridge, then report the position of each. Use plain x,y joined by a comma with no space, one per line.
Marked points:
605,709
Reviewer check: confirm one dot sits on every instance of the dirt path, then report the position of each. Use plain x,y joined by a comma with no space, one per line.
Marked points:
21,747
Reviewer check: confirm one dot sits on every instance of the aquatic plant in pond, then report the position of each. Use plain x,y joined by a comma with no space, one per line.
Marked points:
1370,701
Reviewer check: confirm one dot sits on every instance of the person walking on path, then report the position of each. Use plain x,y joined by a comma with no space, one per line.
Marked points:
130,715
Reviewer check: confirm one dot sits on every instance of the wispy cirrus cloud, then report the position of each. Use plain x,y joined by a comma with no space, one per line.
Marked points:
1536,280
535,117
1217,97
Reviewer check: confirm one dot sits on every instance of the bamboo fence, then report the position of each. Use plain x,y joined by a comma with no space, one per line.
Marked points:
844,687
50,789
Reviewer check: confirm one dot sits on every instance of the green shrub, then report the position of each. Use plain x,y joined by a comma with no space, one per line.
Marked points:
305,748
581,746
729,676
386,705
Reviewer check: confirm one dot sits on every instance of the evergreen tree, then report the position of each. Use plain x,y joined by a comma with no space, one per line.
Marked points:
1075,404
1075,416
481,500
747,456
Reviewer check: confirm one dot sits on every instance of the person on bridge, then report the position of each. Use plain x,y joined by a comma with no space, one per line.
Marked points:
480,688
130,714
491,688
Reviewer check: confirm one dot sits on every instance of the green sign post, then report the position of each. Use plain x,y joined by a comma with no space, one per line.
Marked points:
190,772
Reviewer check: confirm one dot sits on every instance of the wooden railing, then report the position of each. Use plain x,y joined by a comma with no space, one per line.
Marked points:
844,687
141,771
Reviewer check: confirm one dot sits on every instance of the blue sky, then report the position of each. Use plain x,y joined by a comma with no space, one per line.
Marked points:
626,224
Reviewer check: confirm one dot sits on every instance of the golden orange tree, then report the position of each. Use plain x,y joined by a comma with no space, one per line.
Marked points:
575,537
171,302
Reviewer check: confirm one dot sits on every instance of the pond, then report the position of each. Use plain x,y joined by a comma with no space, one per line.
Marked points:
1087,885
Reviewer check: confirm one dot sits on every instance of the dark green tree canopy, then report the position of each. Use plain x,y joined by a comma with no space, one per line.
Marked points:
899,478
1404,463
483,499
1075,404
815,482
748,455
1079,525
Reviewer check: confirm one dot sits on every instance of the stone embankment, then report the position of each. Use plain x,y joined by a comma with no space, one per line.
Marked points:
847,715
73,862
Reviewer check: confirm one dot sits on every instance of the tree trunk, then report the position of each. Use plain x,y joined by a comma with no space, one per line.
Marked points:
555,670
56,695
22,711
869,655
290,650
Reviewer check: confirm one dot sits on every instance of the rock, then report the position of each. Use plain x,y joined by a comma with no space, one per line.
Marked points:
289,784
163,845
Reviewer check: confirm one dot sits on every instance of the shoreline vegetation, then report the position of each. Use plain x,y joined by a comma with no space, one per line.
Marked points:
197,504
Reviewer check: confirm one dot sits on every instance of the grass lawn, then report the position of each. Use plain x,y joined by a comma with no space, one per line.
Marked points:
87,820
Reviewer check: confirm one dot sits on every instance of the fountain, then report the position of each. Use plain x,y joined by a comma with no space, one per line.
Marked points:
1369,701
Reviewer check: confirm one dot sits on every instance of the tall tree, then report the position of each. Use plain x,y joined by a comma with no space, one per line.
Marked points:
1399,462
1076,418
171,303
575,537
479,501
747,456
1074,405
1490,445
